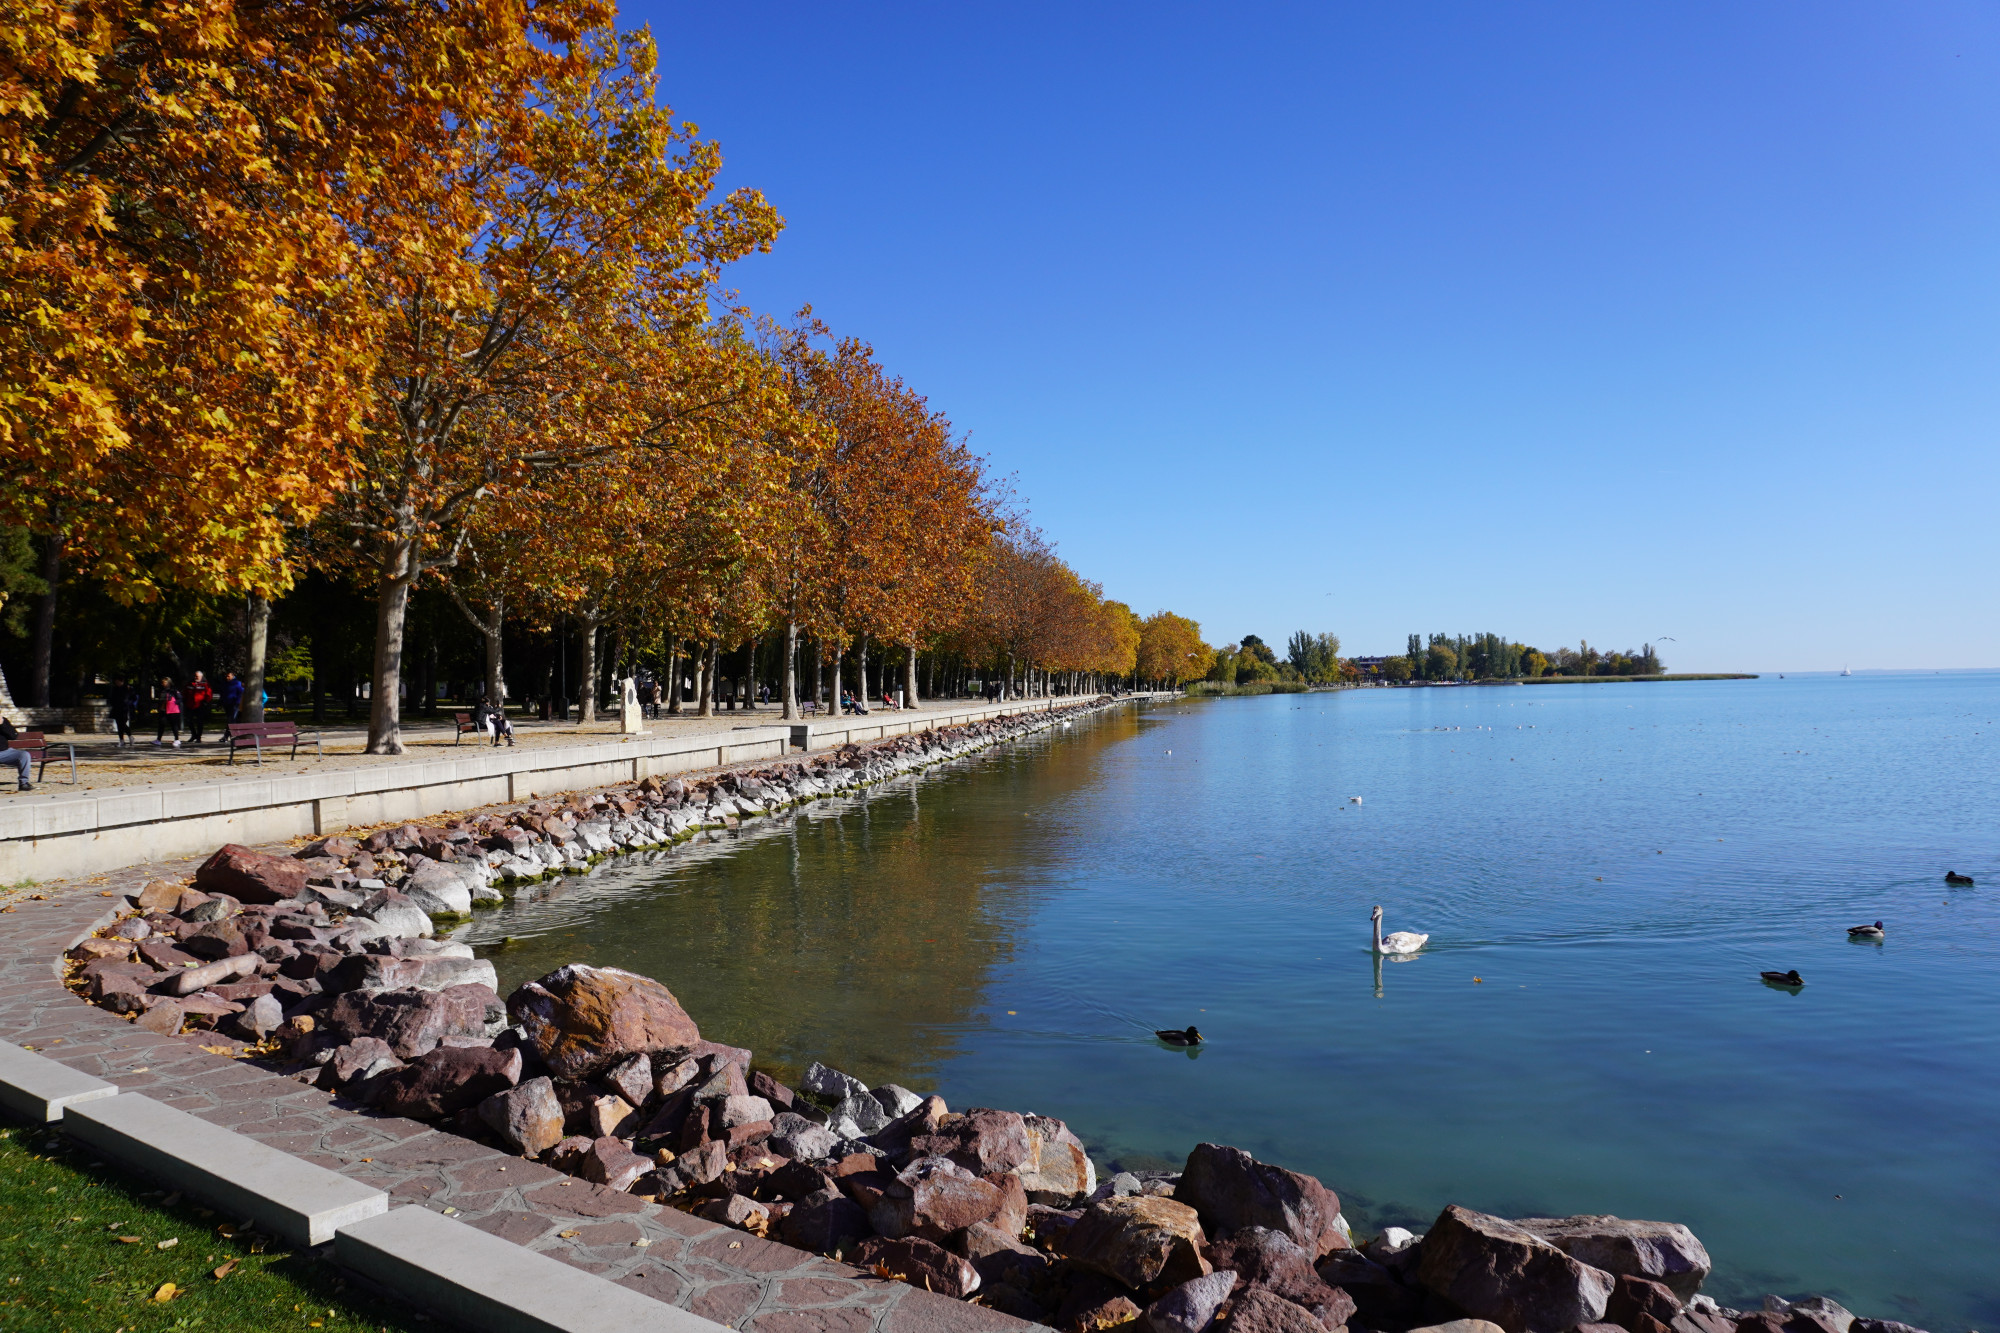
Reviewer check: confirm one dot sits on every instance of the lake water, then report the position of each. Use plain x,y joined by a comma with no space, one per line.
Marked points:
1603,870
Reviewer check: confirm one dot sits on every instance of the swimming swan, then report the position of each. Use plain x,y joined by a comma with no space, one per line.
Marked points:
1403,941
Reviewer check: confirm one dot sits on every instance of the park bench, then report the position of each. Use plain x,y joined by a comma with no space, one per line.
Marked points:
466,727
260,734
37,747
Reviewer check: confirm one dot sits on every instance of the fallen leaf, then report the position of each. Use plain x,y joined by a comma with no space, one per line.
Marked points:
165,1292
565,1234
228,1267
168,1243
226,1230
130,1240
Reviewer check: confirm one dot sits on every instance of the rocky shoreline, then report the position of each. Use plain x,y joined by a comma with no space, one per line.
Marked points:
326,963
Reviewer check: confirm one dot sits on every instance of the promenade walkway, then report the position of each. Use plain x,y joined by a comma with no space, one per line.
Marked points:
718,1273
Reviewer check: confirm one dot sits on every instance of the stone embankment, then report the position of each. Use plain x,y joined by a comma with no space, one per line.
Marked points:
327,963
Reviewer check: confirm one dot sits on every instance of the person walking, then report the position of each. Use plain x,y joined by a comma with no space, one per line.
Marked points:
231,695
123,703
195,705
170,712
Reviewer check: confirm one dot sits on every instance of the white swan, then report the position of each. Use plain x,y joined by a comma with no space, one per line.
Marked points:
1402,942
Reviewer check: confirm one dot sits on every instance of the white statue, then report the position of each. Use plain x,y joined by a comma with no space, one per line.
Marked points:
631,720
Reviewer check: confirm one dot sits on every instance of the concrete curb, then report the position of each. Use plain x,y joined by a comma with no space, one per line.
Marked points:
297,1201
483,1282
40,1090
454,1271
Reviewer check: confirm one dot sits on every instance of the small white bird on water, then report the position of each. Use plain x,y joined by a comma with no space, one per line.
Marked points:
1402,942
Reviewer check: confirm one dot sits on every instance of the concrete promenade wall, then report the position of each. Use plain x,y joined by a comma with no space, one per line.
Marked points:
104,829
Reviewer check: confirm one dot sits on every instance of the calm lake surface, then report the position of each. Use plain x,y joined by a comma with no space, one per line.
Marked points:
1603,870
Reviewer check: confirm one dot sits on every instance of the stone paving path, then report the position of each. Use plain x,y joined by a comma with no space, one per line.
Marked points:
721,1274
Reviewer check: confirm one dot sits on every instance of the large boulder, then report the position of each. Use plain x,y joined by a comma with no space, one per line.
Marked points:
1139,1240
1641,1306
1259,1310
1231,1190
441,888
1191,1307
413,1023
933,1197
984,1142
1662,1252
799,1138
1280,1265
1057,1169
824,1221
1491,1269
377,972
446,1080
583,1019
251,876
921,1263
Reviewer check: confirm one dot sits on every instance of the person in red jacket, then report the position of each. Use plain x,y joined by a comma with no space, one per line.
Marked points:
199,693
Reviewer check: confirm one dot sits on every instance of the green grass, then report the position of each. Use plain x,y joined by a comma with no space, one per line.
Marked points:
64,1268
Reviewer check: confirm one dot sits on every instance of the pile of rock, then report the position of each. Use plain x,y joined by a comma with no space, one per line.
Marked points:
327,961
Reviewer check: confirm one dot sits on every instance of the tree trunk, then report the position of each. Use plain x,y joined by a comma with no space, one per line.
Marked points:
833,686
586,667
392,605
257,624
45,622
710,661
861,670
910,675
791,671
673,674
819,666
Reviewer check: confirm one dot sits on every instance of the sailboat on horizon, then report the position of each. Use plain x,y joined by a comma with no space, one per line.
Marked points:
1844,671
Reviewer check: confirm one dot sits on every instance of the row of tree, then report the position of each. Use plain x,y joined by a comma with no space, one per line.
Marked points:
427,299
1495,657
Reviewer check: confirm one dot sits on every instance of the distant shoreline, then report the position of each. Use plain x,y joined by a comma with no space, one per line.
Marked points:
1588,680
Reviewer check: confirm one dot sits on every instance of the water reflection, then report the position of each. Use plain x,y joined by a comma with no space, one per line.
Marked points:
862,931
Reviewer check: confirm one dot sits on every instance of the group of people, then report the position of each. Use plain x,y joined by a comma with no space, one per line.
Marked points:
177,706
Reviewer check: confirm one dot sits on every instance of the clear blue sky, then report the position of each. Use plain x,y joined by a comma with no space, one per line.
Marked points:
1613,321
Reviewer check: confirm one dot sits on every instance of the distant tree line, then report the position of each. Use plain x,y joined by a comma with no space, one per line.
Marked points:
1495,657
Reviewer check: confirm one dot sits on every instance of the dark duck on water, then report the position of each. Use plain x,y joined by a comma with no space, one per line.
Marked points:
1953,877
1179,1036
1791,978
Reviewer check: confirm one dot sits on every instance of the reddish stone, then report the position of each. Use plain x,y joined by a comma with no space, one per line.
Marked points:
763,1085
632,1078
1635,1296
921,1263
1140,1240
528,1118
984,1142
251,876
1260,1310
1231,1189
933,1197
610,1163
412,1022
213,940
583,1019
445,1081
1274,1261
163,1018
164,955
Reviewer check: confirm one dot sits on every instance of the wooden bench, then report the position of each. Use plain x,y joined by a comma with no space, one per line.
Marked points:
37,747
260,734
466,727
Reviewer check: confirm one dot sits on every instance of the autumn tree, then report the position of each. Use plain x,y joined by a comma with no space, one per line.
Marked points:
1171,650
553,314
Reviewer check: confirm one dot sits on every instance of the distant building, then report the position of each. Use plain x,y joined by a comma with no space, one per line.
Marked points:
1368,666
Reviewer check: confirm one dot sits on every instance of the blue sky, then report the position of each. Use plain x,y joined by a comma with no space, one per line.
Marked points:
1554,320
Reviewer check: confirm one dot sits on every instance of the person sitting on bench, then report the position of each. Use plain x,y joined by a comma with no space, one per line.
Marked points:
491,719
20,759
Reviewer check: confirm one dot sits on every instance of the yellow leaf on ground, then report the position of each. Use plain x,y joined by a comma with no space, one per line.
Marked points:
166,1292
565,1234
130,1240
168,1243
228,1267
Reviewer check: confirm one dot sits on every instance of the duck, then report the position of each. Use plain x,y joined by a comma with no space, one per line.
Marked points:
1791,978
1403,941
1953,877
1873,932
1189,1036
